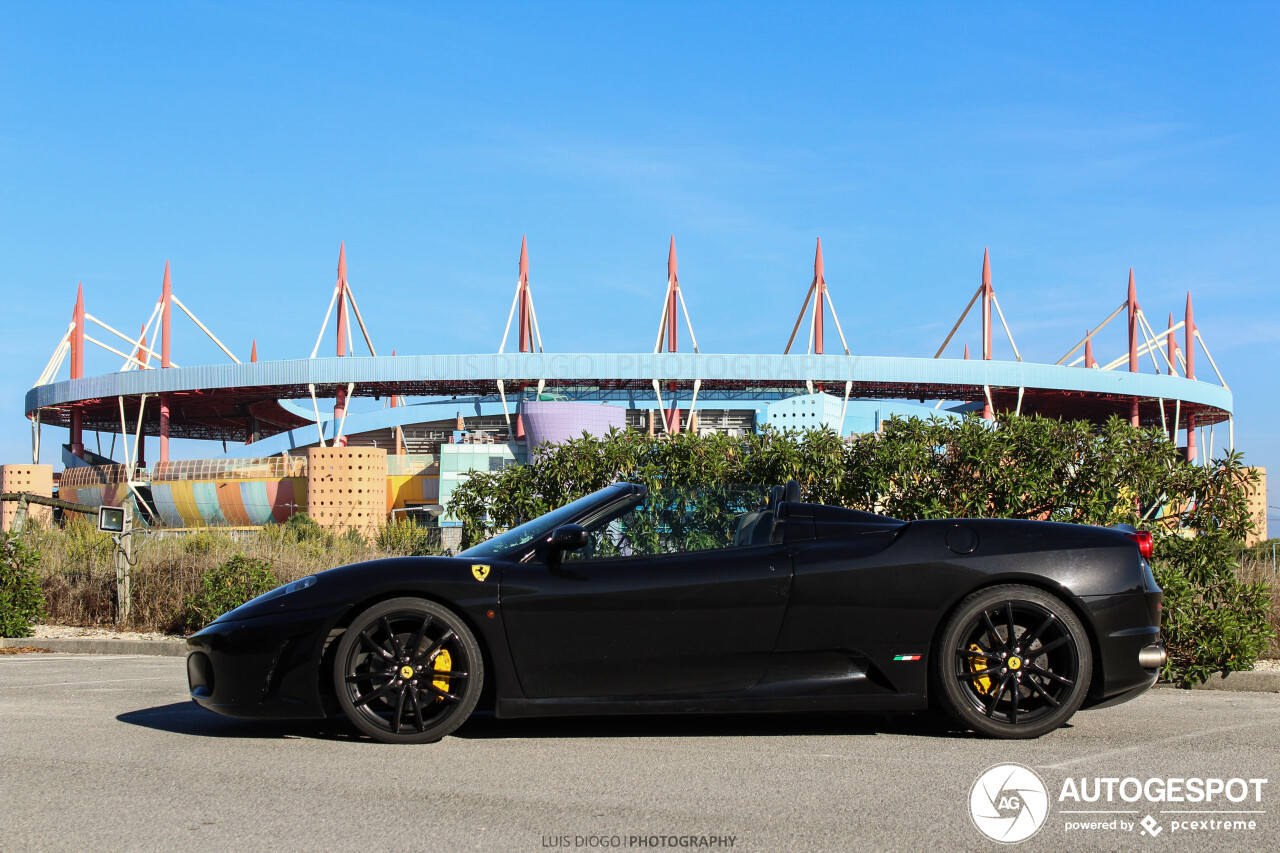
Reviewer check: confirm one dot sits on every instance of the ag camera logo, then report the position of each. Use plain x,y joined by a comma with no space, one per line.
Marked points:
1008,803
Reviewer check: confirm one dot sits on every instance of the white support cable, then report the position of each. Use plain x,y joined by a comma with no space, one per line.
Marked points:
342,422
1177,416
800,317
136,344
147,329
1160,342
662,321
844,409
813,330
1231,432
124,433
533,316
1155,343
537,334
1008,333
112,349
502,391
203,328
687,322
1071,351
316,406
137,439
1018,411
510,314
1164,424
356,308
55,361
1149,345
346,317
117,333
1142,350
697,386
1205,347
956,327
657,391
839,330
1112,365
324,325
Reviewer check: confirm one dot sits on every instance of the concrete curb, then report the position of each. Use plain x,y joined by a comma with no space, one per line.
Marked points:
1241,682
100,645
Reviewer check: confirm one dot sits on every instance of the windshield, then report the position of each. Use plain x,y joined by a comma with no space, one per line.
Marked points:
540,526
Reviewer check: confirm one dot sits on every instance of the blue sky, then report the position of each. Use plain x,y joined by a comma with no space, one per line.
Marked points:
244,141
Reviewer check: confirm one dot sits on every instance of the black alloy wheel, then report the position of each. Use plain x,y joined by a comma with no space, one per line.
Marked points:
408,670
1013,662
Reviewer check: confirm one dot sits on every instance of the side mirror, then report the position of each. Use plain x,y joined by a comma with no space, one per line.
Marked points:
566,537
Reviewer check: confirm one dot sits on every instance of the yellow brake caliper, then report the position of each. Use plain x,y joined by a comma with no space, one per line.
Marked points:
442,663
982,683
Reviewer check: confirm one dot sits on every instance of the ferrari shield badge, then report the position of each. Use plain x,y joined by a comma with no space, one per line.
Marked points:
480,571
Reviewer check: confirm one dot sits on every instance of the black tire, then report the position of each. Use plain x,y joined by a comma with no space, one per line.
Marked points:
387,671
1012,661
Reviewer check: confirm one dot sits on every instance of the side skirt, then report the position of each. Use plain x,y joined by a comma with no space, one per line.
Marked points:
569,707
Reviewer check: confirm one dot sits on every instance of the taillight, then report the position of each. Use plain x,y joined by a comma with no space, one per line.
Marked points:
1143,539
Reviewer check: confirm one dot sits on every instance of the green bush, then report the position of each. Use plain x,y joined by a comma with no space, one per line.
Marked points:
303,528
1019,467
405,537
227,587
21,601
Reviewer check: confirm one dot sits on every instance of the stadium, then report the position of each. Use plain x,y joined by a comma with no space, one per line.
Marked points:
290,436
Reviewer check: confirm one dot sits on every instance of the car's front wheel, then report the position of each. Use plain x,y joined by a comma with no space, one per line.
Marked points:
408,670
1013,662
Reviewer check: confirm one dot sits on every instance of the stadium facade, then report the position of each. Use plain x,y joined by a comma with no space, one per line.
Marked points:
434,418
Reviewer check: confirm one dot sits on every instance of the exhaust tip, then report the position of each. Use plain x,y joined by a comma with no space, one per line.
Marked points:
1153,656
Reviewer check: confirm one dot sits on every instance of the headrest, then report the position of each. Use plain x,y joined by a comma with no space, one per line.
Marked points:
776,496
792,491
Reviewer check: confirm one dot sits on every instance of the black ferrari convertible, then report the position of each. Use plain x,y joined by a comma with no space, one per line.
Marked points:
636,601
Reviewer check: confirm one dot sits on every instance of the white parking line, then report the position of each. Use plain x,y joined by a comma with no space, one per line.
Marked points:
1147,744
80,683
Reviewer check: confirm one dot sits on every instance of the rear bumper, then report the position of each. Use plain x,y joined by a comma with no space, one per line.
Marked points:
1130,652
263,667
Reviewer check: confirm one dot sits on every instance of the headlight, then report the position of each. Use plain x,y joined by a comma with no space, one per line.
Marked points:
303,583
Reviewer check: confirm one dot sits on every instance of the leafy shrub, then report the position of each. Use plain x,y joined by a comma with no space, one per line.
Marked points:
21,601
407,538
227,587
1019,467
303,528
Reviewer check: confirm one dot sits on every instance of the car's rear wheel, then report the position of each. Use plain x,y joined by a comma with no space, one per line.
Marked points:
408,670
1013,662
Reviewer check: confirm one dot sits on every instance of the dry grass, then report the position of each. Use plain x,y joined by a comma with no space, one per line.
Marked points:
1254,568
78,576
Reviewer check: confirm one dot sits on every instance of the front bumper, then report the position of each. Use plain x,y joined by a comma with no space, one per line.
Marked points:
267,666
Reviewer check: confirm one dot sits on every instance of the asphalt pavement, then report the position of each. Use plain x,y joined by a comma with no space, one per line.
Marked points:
108,753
